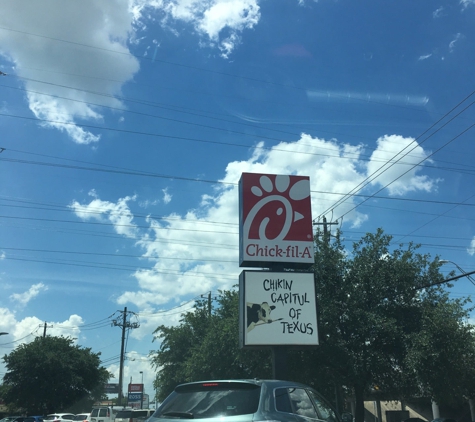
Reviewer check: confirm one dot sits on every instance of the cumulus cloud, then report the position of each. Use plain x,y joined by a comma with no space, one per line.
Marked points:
117,213
220,21
31,293
63,52
197,252
401,176
27,329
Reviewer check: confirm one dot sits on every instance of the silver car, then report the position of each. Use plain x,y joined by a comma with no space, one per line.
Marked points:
245,401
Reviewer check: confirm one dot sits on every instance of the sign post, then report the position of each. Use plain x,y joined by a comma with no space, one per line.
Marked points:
277,308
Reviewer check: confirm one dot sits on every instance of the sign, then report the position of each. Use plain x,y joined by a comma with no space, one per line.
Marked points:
111,388
135,387
134,397
277,308
275,221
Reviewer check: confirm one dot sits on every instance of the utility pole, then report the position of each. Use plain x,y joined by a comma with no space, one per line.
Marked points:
44,329
209,304
325,224
124,324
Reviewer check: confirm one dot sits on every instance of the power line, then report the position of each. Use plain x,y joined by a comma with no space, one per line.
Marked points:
392,161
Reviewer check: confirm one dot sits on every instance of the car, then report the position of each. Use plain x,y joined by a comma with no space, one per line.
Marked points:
124,415
250,400
35,419
59,417
140,415
104,413
82,417
444,420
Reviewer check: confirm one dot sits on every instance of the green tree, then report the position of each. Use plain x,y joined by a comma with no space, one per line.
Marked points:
385,320
52,374
205,345
377,322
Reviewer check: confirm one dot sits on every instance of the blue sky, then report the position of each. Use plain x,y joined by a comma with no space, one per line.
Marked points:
126,126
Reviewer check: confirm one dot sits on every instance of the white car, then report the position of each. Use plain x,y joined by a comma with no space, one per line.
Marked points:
82,417
59,417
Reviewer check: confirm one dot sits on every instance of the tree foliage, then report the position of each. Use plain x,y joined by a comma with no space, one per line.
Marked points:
383,315
205,345
51,374
386,321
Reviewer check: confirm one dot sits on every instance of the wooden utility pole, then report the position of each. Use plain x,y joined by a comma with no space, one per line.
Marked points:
124,324
325,224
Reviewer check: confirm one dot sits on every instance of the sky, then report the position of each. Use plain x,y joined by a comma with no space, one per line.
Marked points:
125,126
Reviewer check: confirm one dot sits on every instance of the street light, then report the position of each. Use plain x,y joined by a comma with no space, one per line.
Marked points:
446,261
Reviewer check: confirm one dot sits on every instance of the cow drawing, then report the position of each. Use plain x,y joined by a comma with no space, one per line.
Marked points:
259,314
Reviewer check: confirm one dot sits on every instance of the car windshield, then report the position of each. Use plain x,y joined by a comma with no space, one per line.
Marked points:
198,401
80,417
122,414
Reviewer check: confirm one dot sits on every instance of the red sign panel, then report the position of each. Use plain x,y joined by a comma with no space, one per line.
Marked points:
135,388
275,221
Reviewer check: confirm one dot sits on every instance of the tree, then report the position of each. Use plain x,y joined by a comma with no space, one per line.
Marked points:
52,374
375,322
385,321
205,345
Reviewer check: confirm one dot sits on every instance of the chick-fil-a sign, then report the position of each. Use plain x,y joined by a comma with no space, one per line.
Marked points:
275,221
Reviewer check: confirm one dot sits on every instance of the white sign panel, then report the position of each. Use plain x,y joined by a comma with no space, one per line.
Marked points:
277,308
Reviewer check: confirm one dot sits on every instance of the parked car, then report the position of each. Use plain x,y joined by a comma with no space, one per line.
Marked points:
104,413
82,417
251,400
139,415
59,417
124,415
36,419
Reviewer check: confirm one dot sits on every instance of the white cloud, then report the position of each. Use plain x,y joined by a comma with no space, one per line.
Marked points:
166,196
2,255
471,249
27,329
118,213
55,42
467,3
452,43
221,21
437,13
403,173
197,252
425,57
31,293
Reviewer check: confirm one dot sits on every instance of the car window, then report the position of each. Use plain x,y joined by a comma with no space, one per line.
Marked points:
122,414
294,400
140,413
325,411
197,403
103,412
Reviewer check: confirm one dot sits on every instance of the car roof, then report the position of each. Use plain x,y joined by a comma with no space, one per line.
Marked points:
268,382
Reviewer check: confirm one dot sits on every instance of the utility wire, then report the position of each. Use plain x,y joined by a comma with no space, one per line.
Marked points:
393,160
